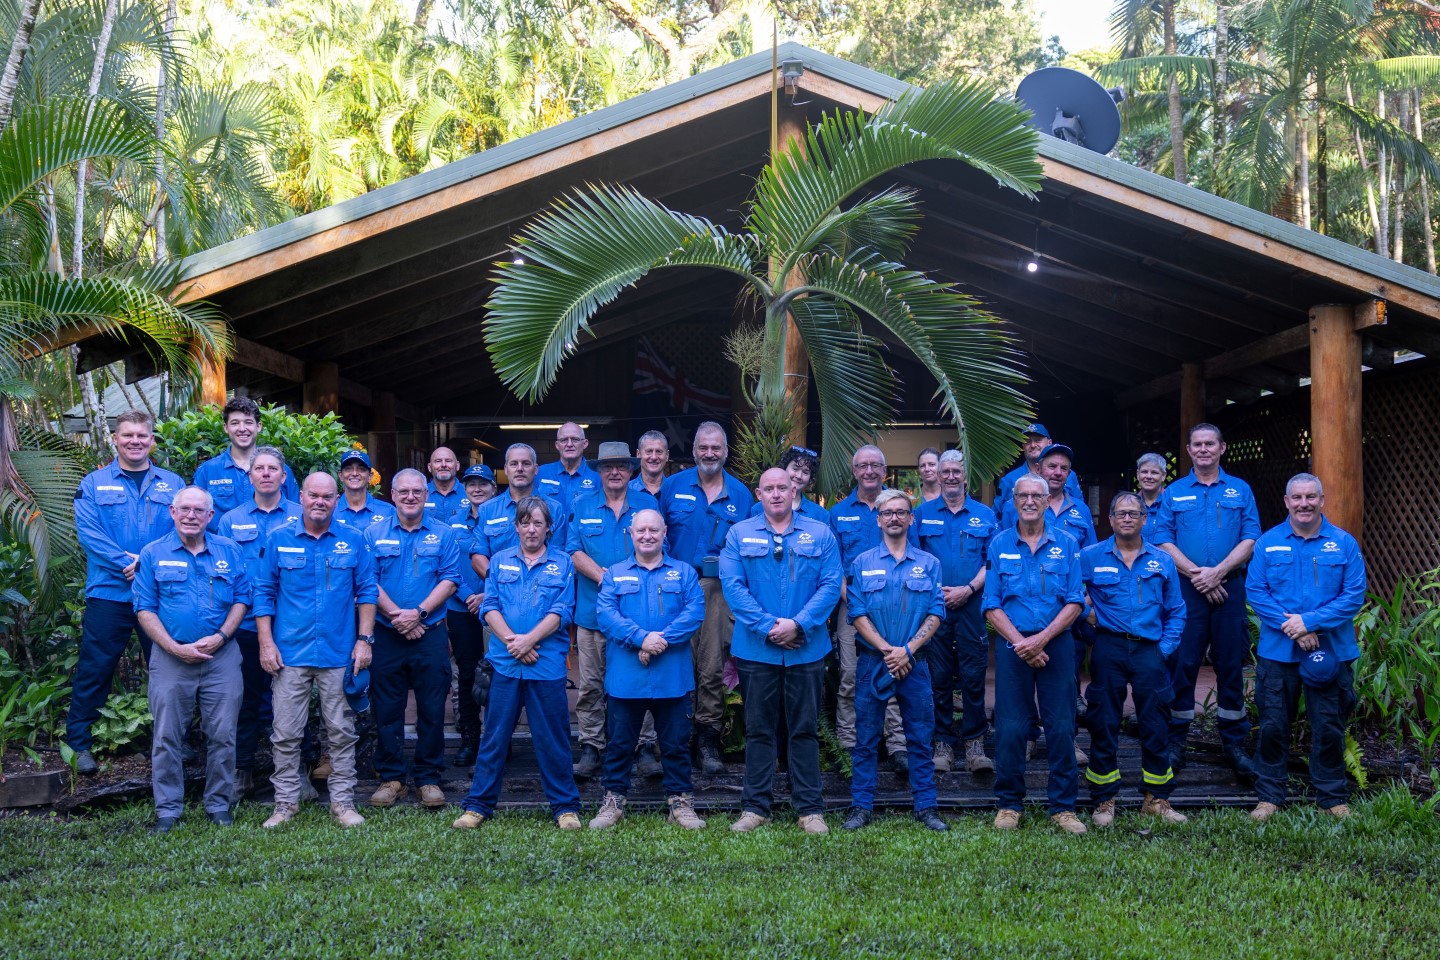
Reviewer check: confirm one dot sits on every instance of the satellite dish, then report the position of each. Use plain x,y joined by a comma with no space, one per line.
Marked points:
1069,105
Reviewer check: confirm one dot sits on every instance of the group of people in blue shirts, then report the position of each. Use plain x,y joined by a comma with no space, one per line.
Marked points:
255,595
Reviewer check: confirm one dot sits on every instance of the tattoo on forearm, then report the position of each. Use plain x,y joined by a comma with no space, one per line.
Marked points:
927,629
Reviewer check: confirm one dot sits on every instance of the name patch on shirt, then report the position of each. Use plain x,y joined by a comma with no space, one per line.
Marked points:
224,480
497,520
396,542
678,496
506,566
242,526
871,573
592,520
291,549
1182,499
1274,549
1107,569
627,579
856,517
1009,556
107,486
937,523
753,540
173,563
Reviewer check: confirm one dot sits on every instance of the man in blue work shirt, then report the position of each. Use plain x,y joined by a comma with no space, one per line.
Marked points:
856,530
358,509
1208,523
570,476
462,618
956,528
1037,438
249,525
315,613
1138,614
653,449
227,477
417,568
599,536
495,521
801,464
896,606
700,505
118,510
781,575
529,602
191,593
1033,594
1306,583
648,608
444,496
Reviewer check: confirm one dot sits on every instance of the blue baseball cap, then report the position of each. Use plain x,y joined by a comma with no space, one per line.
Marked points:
479,472
1038,428
1058,448
1319,669
360,455
357,688
882,683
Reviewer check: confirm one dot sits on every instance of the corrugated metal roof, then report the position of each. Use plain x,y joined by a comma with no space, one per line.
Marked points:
853,75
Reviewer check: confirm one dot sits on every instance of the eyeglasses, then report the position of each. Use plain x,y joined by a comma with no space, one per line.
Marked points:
191,511
869,466
893,514
779,549
1127,514
1032,496
569,439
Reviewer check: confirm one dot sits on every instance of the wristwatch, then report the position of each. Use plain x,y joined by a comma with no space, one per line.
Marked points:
224,636
367,638
424,614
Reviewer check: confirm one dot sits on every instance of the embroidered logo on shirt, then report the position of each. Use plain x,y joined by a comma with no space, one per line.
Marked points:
730,507
342,547
1231,492
672,574
974,522
432,538
552,567
222,566
1152,564
161,485
917,570
587,484
1057,551
1330,547
1075,514
805,537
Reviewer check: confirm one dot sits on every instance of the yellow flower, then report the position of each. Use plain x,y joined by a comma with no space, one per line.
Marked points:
357,445
374,478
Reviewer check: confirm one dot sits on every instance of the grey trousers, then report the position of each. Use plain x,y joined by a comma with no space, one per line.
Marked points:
290,700
174,687
845,640
711,646
590,704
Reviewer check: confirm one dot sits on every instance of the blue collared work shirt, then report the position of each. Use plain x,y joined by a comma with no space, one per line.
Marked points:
803,585
1032,588
229,485
807,508
957,538
495,525
443,506
191,593
855,528
696,528
1205,521
311,586
594,530
411,563
360,520
250,527
464,526
1322,579
552,481
113,519
634,602
1006,486
1142,600
525,594
897,595
1074,519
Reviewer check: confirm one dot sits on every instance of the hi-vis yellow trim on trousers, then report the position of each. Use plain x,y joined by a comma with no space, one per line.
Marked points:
1093,777
1158,778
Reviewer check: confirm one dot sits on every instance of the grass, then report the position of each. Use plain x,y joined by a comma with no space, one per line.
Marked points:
407,885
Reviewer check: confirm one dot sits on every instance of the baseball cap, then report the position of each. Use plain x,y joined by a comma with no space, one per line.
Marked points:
1319,669
479,472
1058,448
360,455
357,688
1038,428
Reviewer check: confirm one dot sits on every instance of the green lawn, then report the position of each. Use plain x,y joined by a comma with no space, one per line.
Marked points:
407,885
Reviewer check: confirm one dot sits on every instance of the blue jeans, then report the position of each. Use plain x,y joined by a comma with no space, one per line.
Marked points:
1115,664
548,712
917,717
104,636
399,666
1225,631
1277,689
256,714
1017,687
624,718
769,689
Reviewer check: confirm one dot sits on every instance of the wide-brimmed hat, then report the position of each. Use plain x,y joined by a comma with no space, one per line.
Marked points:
612,450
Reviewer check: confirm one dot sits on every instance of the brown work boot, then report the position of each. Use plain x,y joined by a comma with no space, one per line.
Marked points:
1104,814
283,812
748,821
1007,819
1263,811
814,824
975,759
468,820
345,815
944,757
1340,811
612,811
682,812
431,796
568,821
387,793
323,769
1068,822
1156,807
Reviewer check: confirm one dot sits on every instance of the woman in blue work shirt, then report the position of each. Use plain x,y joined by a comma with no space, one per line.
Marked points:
529,602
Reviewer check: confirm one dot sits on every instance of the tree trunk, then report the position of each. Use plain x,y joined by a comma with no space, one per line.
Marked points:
422,13
97,72
1365,172
1220,118
1402,121
93,405
162,92
1322,163
29,11
1382,174
1177,116
1302,149
1427,226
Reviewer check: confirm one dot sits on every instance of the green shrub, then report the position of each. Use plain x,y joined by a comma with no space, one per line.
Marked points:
310,443
1397,677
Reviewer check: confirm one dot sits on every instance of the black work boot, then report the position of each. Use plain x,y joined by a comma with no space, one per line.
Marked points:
469,747
1241,763
589,765
711,762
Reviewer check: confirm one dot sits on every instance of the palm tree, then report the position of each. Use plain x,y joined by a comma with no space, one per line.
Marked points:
805,256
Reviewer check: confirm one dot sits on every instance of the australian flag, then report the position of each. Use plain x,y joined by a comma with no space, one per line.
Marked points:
667,400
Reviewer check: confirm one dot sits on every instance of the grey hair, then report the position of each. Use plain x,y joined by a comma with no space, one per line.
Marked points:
869,446
407,474
710,426
1029,478
952,456
653,435
1305,478
890,493
209,500
1154,459
521,446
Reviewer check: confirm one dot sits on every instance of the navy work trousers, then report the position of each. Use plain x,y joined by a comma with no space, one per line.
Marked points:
104,636
1116,663
397,667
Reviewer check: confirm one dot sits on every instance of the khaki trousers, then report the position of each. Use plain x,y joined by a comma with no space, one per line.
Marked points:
711,645
290,700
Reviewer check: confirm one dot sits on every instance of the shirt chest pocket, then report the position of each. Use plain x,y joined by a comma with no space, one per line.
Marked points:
340,569
627,588
1187,512
754,550
173,582
848,532
1230,513
108,496
919,586
670,595
245,533
1151,585
975,540
807,561
160,498
680,510
1105,582
290,561
873,583
222,589
1011,571
1329,573
429,550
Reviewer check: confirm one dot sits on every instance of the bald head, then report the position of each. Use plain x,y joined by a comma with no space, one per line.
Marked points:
443,466
317,502
647,533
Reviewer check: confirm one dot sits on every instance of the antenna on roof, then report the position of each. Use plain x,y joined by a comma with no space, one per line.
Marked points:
1069,105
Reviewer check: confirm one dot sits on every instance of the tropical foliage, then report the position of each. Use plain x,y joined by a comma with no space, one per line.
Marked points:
310,443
